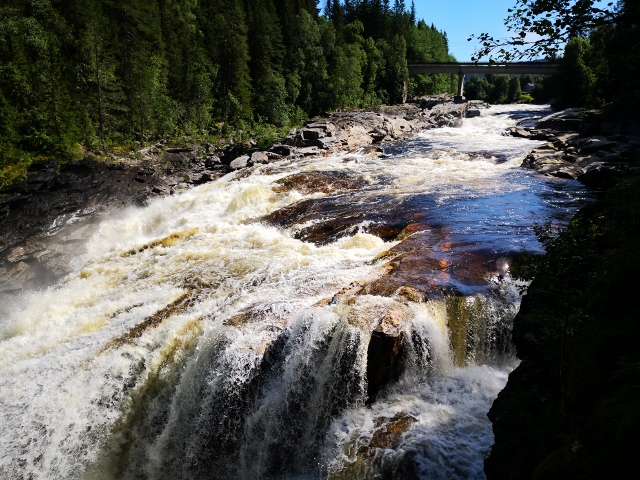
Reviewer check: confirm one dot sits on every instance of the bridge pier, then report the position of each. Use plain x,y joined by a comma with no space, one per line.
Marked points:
460,98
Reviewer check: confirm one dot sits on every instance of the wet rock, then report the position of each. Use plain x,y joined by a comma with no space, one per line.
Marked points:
25,251
473,112
331,218
240,162
519,132
385,362
387,434
321,181
432,263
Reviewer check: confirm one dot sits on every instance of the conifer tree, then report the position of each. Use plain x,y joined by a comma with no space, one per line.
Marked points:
225,32
267,52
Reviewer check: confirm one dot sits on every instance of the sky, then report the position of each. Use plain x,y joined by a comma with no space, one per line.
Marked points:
461,18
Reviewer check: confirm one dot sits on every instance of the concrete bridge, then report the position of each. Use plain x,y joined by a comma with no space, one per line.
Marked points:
514,68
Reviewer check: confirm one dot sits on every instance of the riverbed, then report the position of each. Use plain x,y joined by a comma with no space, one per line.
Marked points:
230,331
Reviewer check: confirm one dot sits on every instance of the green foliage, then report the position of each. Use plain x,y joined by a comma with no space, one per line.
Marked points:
540,27
570,410
102,73
494,88
515,91
601,42
477,88
427,44
579,80
500,91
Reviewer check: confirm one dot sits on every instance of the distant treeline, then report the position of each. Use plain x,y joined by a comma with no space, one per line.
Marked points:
99,73
497,88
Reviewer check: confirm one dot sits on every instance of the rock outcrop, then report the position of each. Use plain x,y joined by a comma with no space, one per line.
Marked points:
573,151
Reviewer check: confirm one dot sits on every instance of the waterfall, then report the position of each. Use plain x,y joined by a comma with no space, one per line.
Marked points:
338,317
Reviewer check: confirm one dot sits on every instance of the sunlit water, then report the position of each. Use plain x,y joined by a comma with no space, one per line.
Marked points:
192,340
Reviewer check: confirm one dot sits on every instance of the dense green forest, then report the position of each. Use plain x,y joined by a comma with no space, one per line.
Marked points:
89,75
497,88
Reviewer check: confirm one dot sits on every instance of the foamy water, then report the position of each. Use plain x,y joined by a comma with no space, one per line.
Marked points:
193,339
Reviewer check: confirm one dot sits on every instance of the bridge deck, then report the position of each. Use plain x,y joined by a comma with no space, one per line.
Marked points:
515,68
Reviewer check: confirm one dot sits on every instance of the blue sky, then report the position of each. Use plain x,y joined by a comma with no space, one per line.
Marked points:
461,18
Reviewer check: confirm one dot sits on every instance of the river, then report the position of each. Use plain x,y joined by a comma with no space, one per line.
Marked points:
337,317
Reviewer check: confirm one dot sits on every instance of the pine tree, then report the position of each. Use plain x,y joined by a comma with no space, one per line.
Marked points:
267,52
226,42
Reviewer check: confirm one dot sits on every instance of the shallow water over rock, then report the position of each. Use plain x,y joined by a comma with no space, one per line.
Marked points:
338,317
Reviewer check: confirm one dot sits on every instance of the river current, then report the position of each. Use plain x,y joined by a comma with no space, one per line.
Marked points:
343,317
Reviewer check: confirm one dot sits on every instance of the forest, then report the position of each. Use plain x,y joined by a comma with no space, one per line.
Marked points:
81,76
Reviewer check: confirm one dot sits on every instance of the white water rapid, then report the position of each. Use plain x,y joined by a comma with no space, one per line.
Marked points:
200,338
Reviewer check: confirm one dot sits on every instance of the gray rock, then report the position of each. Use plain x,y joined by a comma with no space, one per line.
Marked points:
240,162
282,150
212,161
310,134
273,156
595,144
570,172
307,151
600,175
562,124
161,190
326,142
204,177
181,150
259,157
473,112
378,135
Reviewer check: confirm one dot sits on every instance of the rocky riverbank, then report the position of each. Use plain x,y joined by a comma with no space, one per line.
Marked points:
46,217
583,147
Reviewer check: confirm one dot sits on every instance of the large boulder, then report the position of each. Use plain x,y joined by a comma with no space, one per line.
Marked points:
259,157
240,162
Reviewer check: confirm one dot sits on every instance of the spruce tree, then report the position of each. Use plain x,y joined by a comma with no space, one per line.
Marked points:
267,53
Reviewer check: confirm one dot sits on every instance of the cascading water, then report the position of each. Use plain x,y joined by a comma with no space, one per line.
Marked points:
338,317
